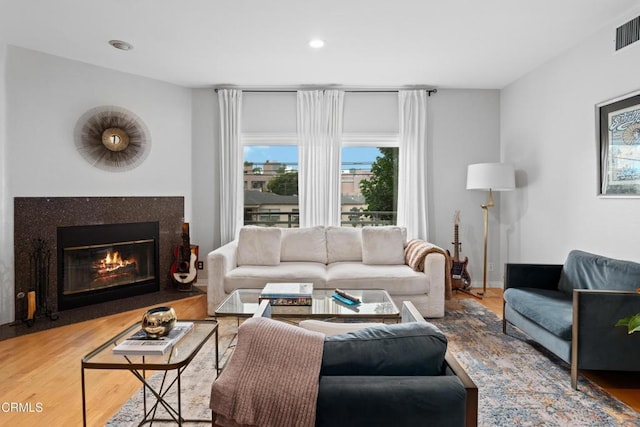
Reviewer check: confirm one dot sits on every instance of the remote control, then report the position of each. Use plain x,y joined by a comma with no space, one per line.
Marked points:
347,295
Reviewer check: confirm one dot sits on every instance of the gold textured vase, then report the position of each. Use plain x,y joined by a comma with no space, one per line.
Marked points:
158,321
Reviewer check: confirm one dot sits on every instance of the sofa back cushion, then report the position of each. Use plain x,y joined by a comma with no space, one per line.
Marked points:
383,245
259,246
344,244
307,244
415,348
583,270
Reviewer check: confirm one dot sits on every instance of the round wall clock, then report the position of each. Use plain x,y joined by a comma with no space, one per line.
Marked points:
112,138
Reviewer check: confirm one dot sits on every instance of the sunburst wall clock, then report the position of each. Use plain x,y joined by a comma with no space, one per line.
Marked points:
112,138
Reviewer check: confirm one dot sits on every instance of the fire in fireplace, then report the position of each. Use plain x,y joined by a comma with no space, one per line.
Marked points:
105,262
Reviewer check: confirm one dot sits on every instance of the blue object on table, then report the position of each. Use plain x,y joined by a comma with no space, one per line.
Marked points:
344,300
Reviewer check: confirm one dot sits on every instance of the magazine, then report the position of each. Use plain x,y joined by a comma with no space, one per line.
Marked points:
140,344
287,293
287,290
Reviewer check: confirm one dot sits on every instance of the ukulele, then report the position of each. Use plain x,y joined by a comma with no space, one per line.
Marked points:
460,278
183,270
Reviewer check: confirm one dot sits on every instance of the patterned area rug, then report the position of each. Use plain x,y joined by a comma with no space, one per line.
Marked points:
519,384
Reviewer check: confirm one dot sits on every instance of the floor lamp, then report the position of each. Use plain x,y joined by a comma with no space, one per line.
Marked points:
492,177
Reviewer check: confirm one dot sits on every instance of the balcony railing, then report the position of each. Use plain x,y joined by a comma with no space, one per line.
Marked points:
292,219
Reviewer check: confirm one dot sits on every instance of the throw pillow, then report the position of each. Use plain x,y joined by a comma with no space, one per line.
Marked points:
344,244
382,245
307,244
259,246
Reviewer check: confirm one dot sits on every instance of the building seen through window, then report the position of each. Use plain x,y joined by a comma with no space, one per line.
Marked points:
368,186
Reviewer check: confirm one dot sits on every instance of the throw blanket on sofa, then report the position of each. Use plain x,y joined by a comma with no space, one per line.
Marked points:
271,378
415,253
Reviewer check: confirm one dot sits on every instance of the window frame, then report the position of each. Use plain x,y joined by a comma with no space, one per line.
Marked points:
351,139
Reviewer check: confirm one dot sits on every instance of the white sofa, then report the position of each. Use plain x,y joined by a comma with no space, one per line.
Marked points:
328,257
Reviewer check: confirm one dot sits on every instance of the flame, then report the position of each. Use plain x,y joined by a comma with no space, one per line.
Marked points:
112,262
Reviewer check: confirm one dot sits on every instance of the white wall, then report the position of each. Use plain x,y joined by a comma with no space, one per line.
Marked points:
46,95
549,133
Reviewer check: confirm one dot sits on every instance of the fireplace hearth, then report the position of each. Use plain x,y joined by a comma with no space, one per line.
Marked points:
99,263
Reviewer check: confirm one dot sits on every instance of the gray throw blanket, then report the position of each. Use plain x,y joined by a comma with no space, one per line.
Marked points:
271,378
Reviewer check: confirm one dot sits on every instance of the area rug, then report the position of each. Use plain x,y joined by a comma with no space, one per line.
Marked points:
519,383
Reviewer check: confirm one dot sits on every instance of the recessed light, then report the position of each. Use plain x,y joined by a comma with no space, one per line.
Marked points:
119,44
316,43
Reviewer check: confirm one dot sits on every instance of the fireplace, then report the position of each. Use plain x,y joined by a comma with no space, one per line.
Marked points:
98,263
37,220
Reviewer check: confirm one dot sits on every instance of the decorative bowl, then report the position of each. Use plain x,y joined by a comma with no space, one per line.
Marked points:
158,321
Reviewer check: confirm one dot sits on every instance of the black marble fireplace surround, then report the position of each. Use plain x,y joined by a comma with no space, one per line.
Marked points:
38,218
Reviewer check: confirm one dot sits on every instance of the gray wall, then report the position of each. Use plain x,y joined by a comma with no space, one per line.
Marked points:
45,96
463,128
549,132
6,220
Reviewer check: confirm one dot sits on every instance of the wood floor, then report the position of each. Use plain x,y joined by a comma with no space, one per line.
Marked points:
41,372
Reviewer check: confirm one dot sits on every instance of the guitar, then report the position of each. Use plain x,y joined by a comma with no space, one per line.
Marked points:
183,270
460,278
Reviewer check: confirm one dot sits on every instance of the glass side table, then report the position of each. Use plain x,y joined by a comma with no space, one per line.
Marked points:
177,358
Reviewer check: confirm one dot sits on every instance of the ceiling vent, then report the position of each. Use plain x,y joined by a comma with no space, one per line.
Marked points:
628,33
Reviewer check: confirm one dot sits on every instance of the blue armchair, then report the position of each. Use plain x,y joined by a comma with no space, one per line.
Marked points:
572,310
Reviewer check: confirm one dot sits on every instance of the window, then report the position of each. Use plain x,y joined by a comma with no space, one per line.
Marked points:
271,185
369,186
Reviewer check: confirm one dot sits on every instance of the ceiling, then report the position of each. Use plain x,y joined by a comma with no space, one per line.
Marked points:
369,43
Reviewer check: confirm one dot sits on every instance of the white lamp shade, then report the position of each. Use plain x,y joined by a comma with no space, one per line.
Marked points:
491,176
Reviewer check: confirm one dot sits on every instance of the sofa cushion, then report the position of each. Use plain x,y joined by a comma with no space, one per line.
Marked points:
348,401
382,245
334,328
344,244
307,244
256,276
415,348
396,279
259,246
583,270
552,310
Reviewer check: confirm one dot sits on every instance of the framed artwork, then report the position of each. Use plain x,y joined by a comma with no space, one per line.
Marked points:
619,143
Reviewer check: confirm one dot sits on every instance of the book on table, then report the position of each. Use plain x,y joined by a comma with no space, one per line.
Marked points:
140,344
288,293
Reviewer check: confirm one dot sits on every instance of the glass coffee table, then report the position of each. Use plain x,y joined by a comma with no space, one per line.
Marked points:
376,304
178,358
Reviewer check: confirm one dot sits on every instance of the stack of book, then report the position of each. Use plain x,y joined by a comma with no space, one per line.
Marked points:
288,293
140,344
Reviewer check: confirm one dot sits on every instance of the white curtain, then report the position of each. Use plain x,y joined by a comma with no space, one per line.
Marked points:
412,164
230,166
319,150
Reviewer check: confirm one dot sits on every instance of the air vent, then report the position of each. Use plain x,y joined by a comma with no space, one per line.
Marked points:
628,33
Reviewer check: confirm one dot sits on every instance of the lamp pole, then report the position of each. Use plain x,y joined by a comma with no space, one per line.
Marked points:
485,215
489,176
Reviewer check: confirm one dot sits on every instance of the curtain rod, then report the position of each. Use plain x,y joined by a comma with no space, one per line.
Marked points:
429,91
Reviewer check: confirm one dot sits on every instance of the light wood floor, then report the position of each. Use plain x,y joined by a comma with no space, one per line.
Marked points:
43,370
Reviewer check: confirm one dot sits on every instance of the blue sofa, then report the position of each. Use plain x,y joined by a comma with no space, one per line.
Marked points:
572,310
392,375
